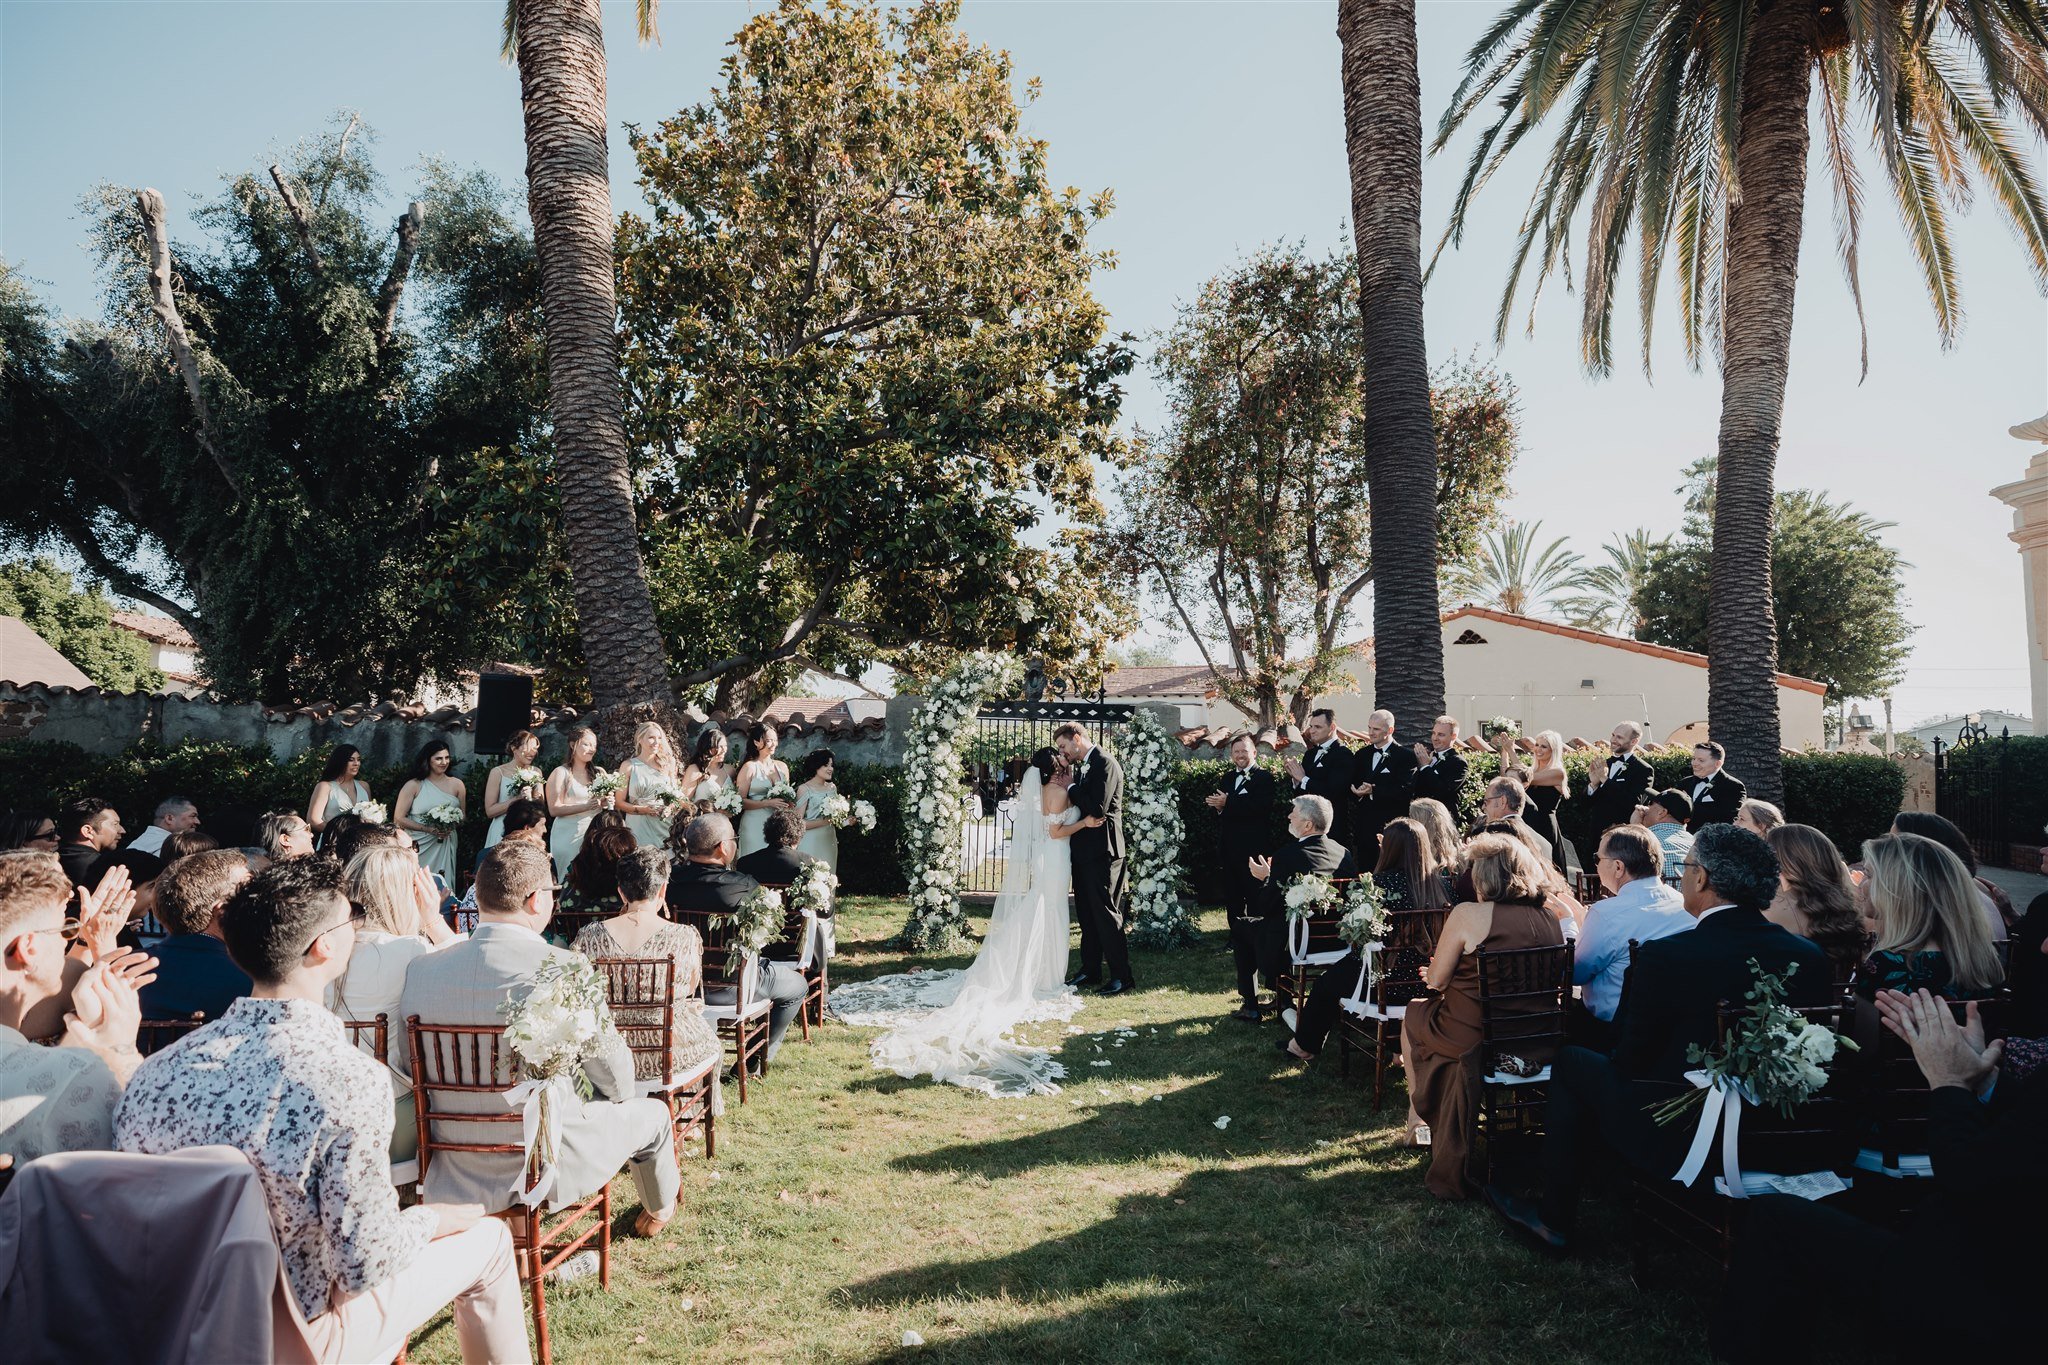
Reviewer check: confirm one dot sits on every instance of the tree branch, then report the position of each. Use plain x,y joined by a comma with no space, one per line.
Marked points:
158,244
340,150
300,217
401,268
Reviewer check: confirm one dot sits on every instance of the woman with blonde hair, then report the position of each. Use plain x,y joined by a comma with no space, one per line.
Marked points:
1758,817
1440,1032
1441,831
1930,925
1816,898
651,773
1549,786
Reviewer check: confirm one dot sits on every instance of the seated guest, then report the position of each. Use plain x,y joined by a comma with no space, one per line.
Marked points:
1999,916
27,830
88,832
778,863
1758,817
1441,1031
593,883
468,983
1638,908
174,815
1311,849
59,1099
1409,876
710,882
1816,898
639,930
523,819
349,834
187,842
1929,921
276,1079
194,974
1670,1002
1799,1261
1445,847
283,835
400,921
1664,815
1506,801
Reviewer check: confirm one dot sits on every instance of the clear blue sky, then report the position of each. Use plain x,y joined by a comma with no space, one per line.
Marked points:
1219,127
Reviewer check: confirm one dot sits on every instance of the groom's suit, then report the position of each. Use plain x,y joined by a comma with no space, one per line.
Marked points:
1098,856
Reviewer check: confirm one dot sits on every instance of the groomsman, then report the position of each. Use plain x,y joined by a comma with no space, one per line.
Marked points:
1386,784
1441,774
1616,788
1717,796
1244,824
1325,770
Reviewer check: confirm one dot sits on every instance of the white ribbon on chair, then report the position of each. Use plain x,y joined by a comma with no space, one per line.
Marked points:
541,1134
1369,975
1722,1109
1297,940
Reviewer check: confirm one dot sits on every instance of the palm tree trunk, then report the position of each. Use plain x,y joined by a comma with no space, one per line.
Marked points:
562,91
1383,143
1761,273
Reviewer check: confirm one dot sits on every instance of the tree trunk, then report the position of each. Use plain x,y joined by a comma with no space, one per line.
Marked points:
1383,142
1760,274
562,91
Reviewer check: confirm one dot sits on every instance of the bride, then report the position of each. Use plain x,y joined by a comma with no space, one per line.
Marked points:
953,1026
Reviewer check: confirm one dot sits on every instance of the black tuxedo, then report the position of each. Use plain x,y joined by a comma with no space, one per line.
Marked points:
1317,853
1326,772
1442,779
720,891
1098,856
1670,999
1392,774
1615,802
775,866
84,864
1719,804
1244,830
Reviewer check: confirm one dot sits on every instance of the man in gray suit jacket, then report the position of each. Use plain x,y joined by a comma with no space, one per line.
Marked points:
468,983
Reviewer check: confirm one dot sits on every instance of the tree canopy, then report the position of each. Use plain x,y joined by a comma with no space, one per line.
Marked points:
1836,588
77,624
862,359
1248,511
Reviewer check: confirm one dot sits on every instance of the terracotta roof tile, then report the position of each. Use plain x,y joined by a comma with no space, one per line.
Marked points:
158,629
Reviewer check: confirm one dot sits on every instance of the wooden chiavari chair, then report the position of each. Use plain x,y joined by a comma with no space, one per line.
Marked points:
642,994
729,967
1522,995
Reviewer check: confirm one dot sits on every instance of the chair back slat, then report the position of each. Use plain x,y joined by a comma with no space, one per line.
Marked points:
1522,994
1898,1096
1821,1133
725,961
1410,942
637,987
376,1033
154,1035
454,1060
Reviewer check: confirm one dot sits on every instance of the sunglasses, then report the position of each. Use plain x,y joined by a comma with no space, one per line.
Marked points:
356,915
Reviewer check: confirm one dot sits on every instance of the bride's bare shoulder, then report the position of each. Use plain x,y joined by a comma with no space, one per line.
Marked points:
1053,800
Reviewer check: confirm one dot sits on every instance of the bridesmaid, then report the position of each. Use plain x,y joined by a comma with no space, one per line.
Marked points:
652,768
338,788
1550,787
707,772
429,786
757,775
502,787
821,836
570,804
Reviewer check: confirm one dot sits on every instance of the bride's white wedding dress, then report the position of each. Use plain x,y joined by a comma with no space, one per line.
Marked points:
953,1025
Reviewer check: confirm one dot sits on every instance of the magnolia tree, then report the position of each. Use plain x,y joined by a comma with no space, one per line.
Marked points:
1152,817
932,797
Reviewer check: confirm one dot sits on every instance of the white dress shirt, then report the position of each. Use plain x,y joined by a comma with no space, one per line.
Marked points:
151,840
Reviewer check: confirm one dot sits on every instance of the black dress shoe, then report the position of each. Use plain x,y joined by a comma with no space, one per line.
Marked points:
1522,1219
1248,1013
1083,979
1117,986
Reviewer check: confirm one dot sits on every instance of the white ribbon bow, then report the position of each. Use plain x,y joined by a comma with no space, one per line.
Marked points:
1723,1110
529,1096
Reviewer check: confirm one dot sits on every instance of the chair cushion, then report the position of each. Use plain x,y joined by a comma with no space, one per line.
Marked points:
1335,955
1366,1009
718,1014
683,1080
405,1173
1502,1078
1912,1165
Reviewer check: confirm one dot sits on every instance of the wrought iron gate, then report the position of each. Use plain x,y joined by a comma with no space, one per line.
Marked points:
1006,734
1972,787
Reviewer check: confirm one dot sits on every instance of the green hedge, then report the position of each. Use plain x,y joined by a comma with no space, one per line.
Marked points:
869,864
2023,759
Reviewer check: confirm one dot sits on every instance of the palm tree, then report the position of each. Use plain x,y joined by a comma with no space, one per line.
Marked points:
1383,144
1606,599
559,45
1684,122
1513,573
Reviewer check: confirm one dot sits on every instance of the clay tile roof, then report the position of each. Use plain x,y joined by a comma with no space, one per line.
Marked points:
795,716
27,658
1169,680
160,630
1683,656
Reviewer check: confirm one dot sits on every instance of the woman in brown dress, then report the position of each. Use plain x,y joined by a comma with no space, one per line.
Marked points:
1440,1034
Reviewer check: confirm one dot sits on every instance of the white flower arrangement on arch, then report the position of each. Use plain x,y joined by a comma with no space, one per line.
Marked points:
932,798
1153,832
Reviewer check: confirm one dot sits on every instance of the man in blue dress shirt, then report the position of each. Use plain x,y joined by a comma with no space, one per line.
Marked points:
1639,907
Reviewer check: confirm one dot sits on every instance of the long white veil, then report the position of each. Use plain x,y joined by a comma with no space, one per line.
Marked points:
1028,839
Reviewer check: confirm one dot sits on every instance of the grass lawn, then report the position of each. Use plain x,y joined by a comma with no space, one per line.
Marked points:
1111,1222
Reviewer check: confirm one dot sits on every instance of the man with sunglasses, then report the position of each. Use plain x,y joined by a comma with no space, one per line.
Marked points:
62,1098
1638,908
277,1078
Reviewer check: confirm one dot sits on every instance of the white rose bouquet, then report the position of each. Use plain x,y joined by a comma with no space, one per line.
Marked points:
864,816
528,777
758,920
781,791
815,890
726,801
370,812
1310,894
837,809
1774,1057
443,821
548,1029
604,783
1365,913
666,797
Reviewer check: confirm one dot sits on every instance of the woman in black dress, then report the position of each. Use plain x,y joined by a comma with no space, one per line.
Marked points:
1548,787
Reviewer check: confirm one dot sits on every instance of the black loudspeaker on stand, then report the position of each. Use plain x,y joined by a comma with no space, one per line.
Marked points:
504,703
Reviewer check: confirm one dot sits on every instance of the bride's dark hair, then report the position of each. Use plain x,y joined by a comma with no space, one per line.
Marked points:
1047,762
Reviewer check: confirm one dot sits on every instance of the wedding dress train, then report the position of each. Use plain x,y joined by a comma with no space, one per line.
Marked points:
953,1025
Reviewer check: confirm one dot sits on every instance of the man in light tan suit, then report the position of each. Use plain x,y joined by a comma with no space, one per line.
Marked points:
468,983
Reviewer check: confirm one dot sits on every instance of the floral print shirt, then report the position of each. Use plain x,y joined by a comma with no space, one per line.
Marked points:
53,1099
278,1080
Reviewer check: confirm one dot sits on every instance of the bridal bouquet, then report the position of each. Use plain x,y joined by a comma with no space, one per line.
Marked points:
1365,913
758,920
726,801
370,812
442,820
548,1029
1774,1056
1309,894
814,891
837,809
603,784
528,779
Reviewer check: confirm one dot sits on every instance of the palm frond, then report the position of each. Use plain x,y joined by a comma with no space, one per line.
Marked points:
1991,146
1848,187
1917,188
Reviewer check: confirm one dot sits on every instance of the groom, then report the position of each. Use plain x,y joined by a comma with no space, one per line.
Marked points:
1098,856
